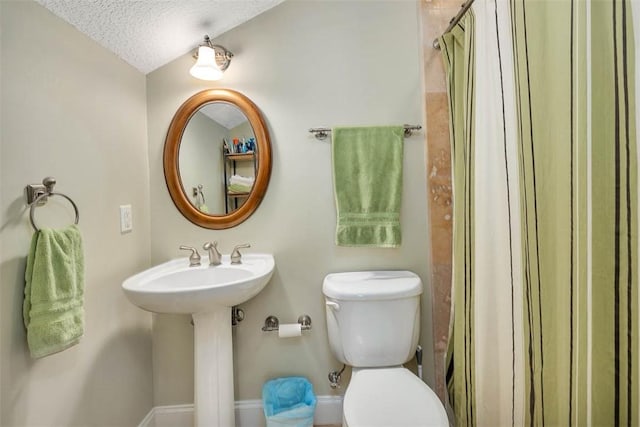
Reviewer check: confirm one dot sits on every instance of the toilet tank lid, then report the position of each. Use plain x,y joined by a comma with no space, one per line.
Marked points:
372,285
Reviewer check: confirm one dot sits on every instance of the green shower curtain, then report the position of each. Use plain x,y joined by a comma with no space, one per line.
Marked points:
457,48
559,148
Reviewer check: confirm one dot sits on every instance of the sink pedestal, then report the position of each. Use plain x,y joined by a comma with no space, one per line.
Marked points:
208,295
213,368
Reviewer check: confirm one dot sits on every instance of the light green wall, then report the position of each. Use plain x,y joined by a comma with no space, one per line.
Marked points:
76,112
72,110
200,160
243,130
304,64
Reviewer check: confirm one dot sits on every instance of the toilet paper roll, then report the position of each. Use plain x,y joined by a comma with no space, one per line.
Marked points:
290,330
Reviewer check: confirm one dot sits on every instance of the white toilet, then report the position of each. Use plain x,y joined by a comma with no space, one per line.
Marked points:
373,320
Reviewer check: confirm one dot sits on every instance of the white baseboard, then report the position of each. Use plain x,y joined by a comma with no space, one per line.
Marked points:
249,413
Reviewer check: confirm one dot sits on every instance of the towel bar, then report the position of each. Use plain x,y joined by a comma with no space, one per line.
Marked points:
323,133
37,195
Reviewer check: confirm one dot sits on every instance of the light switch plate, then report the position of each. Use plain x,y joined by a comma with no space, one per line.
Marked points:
126,219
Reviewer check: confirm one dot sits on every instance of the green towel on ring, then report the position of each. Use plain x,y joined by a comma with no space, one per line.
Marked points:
54,291
367,179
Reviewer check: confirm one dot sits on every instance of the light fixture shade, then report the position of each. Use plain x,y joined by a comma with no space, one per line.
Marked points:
206,68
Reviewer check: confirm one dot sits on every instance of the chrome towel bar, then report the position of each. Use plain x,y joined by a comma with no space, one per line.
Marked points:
323,132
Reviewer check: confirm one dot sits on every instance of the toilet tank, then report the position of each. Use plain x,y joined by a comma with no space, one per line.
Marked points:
373,317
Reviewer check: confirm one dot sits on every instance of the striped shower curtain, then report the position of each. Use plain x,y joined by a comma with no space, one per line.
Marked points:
545,259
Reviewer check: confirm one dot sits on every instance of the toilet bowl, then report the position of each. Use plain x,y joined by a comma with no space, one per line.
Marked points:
373,321
384,397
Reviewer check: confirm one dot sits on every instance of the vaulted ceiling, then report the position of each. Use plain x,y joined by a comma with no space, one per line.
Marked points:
150,33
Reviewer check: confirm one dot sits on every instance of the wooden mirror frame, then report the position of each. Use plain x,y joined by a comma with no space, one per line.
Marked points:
172,150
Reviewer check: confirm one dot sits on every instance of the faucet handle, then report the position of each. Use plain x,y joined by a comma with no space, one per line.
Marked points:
194,258
236,256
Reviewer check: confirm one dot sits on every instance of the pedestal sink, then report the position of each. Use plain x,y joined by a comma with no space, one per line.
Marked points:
207,293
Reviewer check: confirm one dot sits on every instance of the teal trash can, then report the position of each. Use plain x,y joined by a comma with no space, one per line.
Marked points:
288,401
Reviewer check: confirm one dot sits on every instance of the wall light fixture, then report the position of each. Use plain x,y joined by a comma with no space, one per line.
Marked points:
212,61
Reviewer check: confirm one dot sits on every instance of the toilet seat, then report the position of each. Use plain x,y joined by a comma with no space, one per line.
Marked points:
383,397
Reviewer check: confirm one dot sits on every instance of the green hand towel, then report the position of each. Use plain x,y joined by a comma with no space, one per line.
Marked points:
54,292
367,179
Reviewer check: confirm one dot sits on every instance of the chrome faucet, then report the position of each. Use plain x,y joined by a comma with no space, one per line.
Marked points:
194,258
215,257
236,256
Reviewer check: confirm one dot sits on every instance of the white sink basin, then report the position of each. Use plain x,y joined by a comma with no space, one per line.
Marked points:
207,293
174,287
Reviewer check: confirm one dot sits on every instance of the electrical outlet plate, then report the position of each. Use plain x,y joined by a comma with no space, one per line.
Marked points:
126,219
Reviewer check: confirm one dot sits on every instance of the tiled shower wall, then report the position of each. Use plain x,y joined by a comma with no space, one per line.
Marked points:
435,18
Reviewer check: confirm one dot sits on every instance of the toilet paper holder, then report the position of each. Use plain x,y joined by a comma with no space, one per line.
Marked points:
271,323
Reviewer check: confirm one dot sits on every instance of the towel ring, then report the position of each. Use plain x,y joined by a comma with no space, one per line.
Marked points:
41,197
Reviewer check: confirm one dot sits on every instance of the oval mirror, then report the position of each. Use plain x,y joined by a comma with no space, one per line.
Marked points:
217,158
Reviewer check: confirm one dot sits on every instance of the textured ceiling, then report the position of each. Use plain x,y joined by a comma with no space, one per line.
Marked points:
150,33
224,114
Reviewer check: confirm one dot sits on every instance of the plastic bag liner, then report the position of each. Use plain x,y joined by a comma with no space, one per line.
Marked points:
289,401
